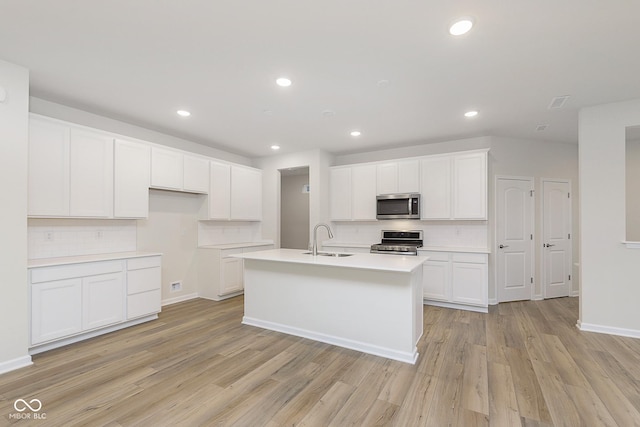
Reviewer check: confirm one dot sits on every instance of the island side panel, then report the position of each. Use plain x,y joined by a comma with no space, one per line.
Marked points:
372,311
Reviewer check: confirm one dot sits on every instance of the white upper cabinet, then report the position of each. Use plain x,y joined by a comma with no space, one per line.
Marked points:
246,193
470,186
398,177
363,196
435,188
48,168
340,193
235,193
132,166
167,169
353,193
175,170
196,174
220,191
91,174
454,186
70,170
387,178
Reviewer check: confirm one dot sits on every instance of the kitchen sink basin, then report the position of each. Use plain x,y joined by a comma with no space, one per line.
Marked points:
333,254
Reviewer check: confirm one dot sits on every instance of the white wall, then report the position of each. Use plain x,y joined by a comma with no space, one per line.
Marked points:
14,312
172,229
318,162
609,270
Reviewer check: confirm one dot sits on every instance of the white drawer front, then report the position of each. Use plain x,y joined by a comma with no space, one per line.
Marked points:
225,253
61,272
145,262
435,256
144,280
143,304
472,258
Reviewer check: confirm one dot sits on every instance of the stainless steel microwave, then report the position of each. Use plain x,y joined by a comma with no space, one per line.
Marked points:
398,206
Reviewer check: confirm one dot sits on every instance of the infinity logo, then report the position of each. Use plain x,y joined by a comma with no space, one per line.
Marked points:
21,405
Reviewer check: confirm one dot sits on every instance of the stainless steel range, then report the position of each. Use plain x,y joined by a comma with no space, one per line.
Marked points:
398,242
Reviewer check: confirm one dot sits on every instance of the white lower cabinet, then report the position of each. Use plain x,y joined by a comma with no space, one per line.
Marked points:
102,300
56,309
71,302
219,275
144,280
456,279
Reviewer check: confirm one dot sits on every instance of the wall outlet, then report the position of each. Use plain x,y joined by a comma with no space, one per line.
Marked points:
48,236
176,286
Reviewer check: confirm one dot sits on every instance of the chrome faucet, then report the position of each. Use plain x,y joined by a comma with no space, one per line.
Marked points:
314,249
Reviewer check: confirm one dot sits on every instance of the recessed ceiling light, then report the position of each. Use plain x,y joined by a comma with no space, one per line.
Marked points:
355,133
283,81
383,83
461,26
471,113
328,113
275,147
183,113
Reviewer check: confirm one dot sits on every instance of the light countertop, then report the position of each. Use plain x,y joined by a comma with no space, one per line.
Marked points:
331,244
238,245
381,262
49,262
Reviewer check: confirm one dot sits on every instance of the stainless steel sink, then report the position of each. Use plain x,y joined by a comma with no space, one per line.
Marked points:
333,254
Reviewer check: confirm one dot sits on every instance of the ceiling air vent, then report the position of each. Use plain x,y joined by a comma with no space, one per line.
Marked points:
558,102
540,128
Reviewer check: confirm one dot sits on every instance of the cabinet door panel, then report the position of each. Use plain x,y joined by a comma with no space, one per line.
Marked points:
48,168
435,187
363,181
167,168
232,278
435,277
409,176
246,194
387,178
132,166
91,174
56,309
470,186
196,174
469,283
102,300
220,191
340,193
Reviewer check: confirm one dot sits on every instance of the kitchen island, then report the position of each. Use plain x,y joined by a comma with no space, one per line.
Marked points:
366,302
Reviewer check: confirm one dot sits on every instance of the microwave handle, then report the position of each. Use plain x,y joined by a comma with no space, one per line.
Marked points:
409,207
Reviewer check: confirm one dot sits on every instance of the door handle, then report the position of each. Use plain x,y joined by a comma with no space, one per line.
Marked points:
548,245
503,246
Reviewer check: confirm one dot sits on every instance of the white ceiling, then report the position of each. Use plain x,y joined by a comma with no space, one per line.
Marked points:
140,61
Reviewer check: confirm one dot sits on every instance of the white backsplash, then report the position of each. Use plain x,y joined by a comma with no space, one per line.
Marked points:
52,238
467,234
220,233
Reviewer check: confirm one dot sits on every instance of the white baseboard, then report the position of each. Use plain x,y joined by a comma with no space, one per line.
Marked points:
574,294
222,298
611,330
477,309
537,298
389,353
13,364
493,301
86,335
179,299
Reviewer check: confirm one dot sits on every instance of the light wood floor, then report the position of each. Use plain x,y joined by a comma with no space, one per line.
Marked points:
524,363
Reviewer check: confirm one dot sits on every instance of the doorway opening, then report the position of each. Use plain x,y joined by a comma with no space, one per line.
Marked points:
294,208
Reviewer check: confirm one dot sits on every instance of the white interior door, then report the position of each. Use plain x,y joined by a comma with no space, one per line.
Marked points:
556,240
514,238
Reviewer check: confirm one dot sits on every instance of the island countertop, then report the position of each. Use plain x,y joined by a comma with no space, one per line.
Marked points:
381,262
